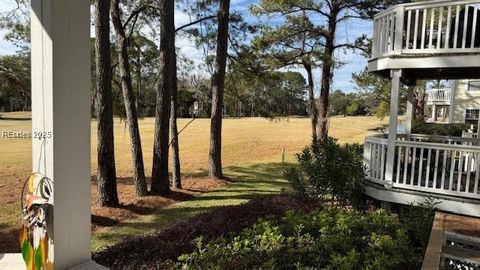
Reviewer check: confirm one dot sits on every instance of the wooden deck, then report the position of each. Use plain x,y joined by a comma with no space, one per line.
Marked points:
453,239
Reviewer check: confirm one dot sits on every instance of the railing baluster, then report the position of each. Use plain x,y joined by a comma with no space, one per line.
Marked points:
435,168
474,27
415,32
392,33
427,175
477,173
412,174
432,23
420,167
382,166
444,171
399,159
374,161
465,27
405,165
469,160
409,25
449,25
424,27
455,34
440,28
387,25
460,170
452,170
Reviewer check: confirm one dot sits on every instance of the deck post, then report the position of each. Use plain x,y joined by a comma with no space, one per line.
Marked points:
60,36
409,113
434,113
399,22
396,75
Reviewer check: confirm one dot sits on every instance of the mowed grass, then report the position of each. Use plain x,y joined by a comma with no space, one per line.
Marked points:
252,150
244,140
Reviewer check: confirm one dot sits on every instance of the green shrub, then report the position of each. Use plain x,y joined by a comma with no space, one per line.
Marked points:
417,220
322,239
329,171
420,127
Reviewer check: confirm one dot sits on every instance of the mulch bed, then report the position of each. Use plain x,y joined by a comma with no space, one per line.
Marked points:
157,251
130,207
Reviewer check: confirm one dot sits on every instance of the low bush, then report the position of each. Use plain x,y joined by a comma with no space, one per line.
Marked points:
322,239
329,171
420,127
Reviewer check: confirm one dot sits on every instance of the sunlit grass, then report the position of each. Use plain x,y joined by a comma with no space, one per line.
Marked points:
249,181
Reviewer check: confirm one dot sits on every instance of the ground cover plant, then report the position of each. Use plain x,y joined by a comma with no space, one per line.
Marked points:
322,239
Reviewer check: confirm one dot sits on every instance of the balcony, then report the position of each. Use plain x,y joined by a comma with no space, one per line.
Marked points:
441,96
428,40
445,168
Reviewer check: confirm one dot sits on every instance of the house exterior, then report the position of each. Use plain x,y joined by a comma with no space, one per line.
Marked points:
459,103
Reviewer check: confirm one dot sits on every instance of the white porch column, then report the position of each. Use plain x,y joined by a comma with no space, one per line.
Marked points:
434,113
409,113
392,129
60,35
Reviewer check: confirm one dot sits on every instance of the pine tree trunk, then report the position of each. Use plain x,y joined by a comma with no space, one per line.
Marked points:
106,175
160,179
176,175
312,107
218,86
129,100
327,73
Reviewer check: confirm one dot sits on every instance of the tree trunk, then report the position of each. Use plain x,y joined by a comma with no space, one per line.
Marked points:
106,175
160,179
218,86
176,175
312,107
129,99
327,73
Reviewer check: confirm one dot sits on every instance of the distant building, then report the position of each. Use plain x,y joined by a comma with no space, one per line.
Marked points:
457,104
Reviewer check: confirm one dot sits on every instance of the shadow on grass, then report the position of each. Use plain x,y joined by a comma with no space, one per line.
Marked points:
248,182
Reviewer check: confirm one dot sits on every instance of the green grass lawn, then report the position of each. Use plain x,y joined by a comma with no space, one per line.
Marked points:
248,181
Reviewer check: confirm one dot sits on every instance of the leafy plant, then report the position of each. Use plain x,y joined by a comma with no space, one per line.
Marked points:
329,171
322,239
421,127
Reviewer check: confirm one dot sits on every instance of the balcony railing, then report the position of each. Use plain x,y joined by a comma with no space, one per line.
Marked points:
439,96
429,27
434,164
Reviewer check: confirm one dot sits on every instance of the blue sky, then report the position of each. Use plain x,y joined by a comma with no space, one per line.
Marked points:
342,76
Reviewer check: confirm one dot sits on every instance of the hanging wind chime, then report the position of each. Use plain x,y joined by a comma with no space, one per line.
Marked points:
37,212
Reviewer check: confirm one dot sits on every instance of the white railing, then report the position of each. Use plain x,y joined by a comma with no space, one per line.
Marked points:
470,135
430,27
450,167
442,95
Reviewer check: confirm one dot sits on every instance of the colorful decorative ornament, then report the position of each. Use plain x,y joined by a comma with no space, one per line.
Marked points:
37,203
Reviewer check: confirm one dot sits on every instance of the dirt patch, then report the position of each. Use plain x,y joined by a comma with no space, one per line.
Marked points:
157,251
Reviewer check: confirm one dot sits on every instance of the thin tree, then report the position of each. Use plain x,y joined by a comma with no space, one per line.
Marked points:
218,86
176,174
106,175
160,179
129,99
